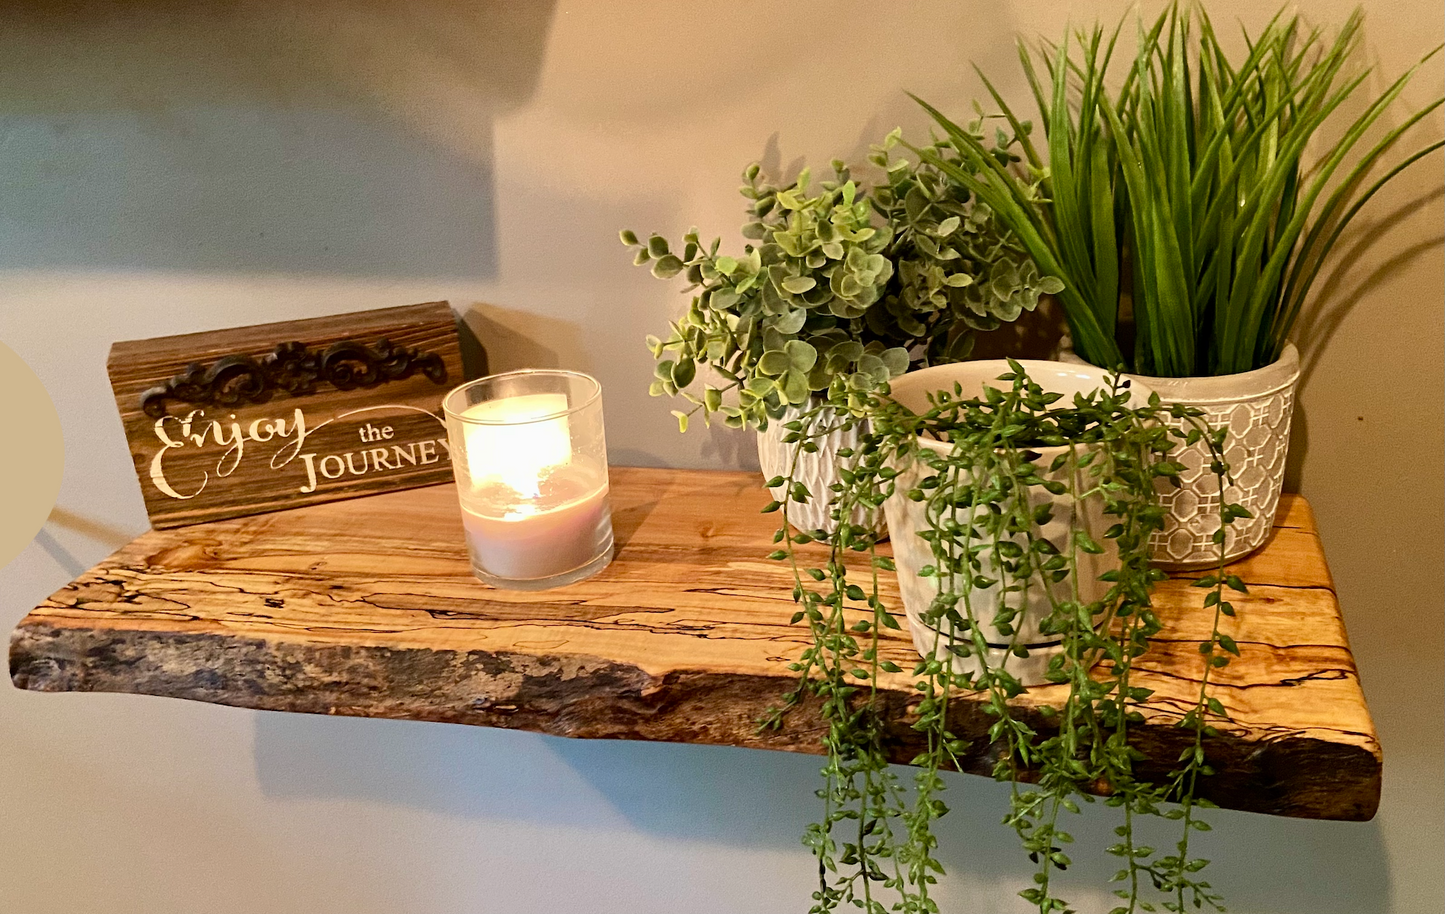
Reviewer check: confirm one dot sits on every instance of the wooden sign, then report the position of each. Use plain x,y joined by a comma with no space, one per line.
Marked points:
273,416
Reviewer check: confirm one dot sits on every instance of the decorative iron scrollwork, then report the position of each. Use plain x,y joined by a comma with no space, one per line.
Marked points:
291,367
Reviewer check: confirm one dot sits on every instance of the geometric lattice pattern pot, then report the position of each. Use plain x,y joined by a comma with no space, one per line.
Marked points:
1256,406
818,471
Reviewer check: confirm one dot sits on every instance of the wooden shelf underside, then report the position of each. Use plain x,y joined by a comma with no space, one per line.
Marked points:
368,607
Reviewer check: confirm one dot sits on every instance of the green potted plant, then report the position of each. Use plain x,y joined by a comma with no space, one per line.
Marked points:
841,288
1021,508
1178,209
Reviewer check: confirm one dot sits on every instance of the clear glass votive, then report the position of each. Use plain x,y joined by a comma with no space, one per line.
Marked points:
530,459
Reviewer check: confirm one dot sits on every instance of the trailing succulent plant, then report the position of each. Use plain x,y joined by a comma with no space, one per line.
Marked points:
875,841
839,289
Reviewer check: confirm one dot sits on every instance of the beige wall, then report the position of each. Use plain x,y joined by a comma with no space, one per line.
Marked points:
169,167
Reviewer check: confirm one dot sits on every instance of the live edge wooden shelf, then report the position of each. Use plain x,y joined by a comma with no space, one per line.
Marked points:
368,607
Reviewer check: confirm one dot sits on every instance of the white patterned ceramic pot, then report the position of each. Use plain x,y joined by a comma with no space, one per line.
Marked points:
818,471
906,520
1256,407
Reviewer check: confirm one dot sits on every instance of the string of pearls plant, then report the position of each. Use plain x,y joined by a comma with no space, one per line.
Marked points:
875,842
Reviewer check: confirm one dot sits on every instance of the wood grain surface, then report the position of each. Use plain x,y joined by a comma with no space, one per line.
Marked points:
199,462
367,607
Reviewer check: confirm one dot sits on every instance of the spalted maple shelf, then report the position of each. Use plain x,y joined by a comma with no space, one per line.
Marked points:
367,607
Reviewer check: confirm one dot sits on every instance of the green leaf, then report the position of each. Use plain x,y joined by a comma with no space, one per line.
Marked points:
895,360
790,321
794,388
1086,543
667,266
774,363
723,300
760,386
799,284
801,355
875,367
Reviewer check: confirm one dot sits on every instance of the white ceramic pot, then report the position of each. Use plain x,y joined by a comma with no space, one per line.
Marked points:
818,471
1256,406
906,519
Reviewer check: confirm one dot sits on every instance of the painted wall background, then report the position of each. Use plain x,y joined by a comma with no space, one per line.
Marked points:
168,167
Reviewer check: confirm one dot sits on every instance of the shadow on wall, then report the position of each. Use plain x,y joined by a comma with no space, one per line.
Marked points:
1337,293
513,339
342,138
760,799
708,793
497,339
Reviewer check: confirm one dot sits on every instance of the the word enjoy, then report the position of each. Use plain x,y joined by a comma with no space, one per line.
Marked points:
196,431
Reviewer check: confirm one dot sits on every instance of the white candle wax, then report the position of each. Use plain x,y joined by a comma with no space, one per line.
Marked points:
567,527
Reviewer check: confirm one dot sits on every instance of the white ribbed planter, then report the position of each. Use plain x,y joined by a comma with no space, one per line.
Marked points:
1256,406
906,519
818,471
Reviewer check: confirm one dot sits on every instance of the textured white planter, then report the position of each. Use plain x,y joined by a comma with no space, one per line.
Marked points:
1256,407
911,552
818,471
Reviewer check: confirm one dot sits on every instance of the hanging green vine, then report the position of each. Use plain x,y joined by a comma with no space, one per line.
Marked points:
981,496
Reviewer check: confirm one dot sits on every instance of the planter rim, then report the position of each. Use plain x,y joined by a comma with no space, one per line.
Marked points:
1039,370
1224,388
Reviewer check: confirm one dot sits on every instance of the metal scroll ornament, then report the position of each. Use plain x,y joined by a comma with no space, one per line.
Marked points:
238,379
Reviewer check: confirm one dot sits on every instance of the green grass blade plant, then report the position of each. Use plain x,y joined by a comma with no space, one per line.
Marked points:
1190,180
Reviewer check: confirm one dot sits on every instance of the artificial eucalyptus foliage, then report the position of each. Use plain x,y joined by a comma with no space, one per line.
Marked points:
875,842
841,287
1173,195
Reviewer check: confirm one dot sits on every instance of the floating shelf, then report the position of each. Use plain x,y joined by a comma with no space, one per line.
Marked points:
368,607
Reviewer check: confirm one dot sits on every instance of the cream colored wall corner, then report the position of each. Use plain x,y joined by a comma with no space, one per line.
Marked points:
173,167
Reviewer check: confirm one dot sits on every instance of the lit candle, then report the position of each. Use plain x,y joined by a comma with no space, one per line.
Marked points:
517,440
532,477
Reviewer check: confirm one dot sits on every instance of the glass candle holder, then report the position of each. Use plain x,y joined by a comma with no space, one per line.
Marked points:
530,459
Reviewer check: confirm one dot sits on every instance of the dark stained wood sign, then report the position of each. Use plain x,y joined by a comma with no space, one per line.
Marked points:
256,419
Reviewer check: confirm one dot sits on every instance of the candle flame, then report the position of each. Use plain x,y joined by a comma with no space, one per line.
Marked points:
509,441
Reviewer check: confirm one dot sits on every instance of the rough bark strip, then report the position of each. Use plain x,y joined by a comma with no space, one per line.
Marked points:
366,607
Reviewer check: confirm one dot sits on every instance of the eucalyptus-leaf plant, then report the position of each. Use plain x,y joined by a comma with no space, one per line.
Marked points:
1177,202
841,287
875,841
